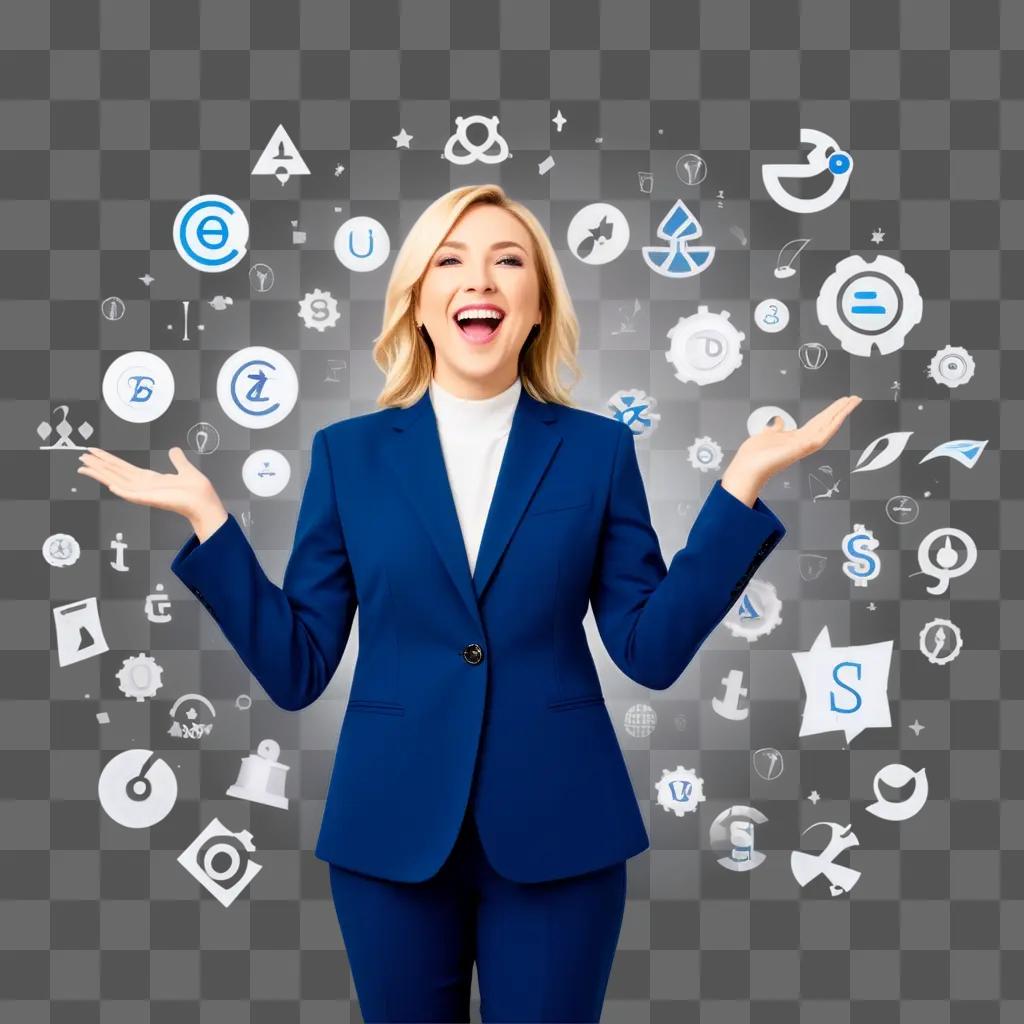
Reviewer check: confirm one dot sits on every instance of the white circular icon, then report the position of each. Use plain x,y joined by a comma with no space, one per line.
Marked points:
137,789
113,308
362,244
902,509
138,387
771,315
266,472
691,169
257,387
759,419
598,234
210,233
61,549
261,277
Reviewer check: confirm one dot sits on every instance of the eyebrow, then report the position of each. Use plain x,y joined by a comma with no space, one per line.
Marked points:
496,245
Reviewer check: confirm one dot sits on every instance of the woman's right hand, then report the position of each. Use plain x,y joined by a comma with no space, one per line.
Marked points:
186,491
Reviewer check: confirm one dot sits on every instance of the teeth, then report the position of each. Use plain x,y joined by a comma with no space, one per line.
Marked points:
477,314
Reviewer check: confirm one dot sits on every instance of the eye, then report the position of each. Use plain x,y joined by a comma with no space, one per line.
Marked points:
516,261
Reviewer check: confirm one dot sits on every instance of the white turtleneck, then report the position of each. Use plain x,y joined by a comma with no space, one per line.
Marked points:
473,432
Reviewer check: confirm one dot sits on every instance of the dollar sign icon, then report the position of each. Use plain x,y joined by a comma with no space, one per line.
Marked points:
859,547
319,309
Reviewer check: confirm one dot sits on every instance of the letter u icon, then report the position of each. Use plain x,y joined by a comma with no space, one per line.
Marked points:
351,248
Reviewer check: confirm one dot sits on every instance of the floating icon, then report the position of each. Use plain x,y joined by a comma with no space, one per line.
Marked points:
261,277
946,565
79,632
266,473
756,613
280,157
952,366
812,355
261,778
878,236
646,182
193,727
220,303
869,303
113,308
679,259
362,244
546,164
823,483
729,705
298,237
334,368
811,566
185,303
896,776
902,509
760,419
847,688
158,605
243,702
138,387
210,233
471,151
64,430
319,310
940,641
635,408
768,763
118,545
691,169
825,156
705,347
215,843
863,563
807,866
139,677
402,139
627,318
788,256
257,387
598,234
137,788
733,830
640,721
883,451
771,315
203,438
61,550
680,790
966,453
705,454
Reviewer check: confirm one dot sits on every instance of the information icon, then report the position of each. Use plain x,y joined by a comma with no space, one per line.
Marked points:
257,387
210,233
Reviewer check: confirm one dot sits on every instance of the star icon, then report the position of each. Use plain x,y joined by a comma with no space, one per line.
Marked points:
814,797
558,120
916,726
147,280
338,170
402,139
878,236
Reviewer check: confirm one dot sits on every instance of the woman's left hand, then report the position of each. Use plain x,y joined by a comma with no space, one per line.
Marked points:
774,449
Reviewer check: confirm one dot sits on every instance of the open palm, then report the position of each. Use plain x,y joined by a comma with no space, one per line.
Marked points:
186,491
775,448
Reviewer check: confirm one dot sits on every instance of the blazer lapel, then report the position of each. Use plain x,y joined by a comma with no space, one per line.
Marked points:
418,462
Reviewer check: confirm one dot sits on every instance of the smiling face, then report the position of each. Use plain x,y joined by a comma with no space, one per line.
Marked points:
486,266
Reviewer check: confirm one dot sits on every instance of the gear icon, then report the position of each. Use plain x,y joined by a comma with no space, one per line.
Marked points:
705,454
139,677
319,310
951,366
757,612
635,406
869,302
680,790
940,626
705,347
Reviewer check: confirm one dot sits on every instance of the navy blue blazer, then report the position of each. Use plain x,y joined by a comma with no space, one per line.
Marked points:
477,689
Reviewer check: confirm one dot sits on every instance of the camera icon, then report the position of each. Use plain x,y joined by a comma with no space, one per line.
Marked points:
220,861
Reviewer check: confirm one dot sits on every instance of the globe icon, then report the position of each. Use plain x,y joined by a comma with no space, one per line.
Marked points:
640,720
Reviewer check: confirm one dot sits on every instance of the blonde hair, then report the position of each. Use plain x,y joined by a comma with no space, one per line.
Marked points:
405,356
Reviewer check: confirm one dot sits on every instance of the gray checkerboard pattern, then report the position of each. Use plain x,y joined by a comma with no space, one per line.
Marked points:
114,112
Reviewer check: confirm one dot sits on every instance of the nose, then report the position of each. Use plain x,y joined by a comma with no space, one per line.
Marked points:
480,276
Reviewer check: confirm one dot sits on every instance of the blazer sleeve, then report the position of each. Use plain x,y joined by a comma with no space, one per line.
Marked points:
653,619
292,637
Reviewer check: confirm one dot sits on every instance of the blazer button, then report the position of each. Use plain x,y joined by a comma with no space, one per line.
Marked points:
473,653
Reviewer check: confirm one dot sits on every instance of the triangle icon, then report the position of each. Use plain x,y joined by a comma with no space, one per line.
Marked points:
280,157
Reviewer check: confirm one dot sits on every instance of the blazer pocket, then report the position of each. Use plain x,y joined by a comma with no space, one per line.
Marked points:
568,703
380,707
559,502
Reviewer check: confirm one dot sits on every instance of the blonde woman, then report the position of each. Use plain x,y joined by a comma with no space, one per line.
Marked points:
480,808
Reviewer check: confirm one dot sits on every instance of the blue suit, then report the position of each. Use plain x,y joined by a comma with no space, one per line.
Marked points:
477,692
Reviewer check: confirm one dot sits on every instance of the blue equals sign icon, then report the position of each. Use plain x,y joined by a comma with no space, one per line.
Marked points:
871,309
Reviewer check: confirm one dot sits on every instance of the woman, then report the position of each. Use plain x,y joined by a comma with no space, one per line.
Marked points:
479,807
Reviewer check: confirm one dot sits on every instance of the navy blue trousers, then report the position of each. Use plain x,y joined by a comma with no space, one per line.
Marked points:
543,950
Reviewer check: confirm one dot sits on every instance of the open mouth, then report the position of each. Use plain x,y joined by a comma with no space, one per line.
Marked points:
478,330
